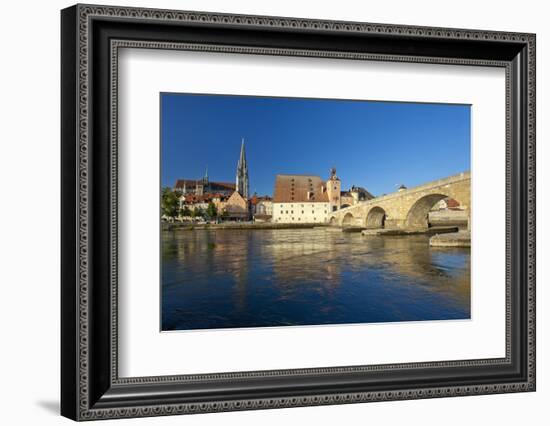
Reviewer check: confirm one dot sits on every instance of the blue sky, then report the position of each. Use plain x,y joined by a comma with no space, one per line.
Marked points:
376,145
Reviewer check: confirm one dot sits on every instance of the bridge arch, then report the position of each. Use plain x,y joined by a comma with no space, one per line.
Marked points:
376,218
417,216
348,219
408,209
333,221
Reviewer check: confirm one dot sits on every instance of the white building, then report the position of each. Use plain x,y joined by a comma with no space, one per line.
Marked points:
264,207
300,199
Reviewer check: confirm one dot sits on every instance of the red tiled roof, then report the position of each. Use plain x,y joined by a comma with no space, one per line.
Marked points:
299,188
452,203
187,182
222,185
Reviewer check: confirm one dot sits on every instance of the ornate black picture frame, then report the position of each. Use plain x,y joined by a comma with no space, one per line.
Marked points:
91,36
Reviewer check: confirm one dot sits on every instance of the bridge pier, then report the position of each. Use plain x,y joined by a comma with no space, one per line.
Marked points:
394,223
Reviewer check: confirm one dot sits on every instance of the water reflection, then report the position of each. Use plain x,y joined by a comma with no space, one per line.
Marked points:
240,278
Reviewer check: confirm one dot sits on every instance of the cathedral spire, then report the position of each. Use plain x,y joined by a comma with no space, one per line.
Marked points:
241,180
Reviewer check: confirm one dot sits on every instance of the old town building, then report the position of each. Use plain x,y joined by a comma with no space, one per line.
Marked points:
235,208
261,208
300,199
201,202
353,196
309,199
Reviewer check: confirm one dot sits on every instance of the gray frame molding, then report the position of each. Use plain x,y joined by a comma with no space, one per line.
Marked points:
88,407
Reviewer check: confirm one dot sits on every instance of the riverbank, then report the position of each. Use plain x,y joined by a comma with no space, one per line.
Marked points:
237,225
455,239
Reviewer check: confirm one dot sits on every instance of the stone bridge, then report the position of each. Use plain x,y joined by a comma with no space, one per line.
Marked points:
406,209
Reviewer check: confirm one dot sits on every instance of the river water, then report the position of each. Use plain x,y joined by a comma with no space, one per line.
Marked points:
257,278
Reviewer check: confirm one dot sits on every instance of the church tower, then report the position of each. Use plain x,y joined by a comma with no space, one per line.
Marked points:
205,178
333,190
242,174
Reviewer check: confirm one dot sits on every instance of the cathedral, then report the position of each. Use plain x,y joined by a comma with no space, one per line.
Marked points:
204,186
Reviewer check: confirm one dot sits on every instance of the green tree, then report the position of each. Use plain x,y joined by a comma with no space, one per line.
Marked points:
197,212
211,210
186,211
169,203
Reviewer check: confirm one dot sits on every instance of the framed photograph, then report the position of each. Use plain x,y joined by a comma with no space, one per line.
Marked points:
263,212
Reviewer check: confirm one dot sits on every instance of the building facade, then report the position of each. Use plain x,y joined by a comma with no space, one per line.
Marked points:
261,208
192,202
236,208
264,207
300,199
354,195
